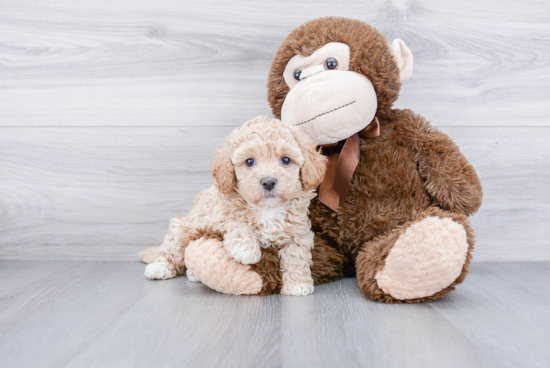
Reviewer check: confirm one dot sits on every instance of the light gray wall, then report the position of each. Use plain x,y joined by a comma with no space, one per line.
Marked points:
110,110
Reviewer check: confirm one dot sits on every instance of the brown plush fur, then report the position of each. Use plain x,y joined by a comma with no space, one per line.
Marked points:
327,263
371,258
411,171
269,270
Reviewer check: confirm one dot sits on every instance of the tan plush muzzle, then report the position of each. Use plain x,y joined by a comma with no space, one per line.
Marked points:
329,111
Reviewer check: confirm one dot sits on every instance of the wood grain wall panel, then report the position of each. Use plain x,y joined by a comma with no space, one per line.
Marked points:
110,111
205,62
67,191
514,167
95,193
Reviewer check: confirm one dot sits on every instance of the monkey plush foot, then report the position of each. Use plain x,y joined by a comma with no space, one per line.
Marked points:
421,260
425,259
207,261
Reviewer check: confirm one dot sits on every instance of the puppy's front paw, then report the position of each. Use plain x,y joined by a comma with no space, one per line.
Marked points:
298,289
159,271
244,252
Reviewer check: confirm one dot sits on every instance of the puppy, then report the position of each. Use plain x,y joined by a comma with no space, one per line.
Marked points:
265,177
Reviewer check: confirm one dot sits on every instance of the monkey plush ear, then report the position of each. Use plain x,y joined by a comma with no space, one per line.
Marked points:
223,171
404,58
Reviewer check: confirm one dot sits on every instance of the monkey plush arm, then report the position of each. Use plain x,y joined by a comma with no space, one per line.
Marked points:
450,179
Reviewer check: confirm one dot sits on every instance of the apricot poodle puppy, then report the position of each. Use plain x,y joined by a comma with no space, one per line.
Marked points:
265,177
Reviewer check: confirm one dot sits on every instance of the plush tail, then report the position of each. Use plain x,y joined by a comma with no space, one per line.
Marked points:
150,254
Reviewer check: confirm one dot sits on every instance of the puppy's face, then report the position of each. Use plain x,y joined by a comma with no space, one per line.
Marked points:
268,172
268,163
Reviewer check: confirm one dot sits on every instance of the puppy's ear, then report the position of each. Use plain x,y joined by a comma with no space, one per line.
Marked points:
223,171
315,164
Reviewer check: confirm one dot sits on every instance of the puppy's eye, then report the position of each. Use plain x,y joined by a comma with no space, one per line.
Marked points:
285,161
250,162
297,74
331,64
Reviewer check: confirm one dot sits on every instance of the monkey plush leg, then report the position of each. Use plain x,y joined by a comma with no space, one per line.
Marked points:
419,261
328,264
209,263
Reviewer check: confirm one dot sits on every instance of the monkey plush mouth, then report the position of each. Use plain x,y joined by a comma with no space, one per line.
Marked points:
325,113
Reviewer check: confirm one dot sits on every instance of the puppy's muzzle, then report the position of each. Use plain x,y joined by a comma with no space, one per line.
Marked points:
268,183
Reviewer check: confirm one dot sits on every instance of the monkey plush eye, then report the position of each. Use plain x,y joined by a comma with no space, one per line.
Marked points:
331,64
250,162
285,161
297,74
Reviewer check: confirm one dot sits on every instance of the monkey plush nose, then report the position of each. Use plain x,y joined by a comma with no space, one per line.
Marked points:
311,71
268,183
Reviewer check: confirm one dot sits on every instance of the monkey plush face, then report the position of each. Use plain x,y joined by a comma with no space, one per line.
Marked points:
331,76
323,90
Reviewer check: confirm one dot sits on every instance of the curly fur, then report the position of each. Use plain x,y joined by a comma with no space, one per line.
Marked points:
238,213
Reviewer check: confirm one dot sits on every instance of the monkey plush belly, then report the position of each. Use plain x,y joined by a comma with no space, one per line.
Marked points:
386,190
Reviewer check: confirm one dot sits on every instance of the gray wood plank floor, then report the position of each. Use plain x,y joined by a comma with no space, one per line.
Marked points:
106,314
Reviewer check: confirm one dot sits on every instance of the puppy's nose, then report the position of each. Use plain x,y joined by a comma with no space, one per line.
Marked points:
268,183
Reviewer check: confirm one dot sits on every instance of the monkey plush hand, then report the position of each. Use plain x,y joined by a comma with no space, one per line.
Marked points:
403,190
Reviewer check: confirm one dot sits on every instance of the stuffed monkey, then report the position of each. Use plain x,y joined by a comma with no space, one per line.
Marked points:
393,208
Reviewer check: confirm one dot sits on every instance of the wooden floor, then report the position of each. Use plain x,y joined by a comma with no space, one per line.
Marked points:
106,314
